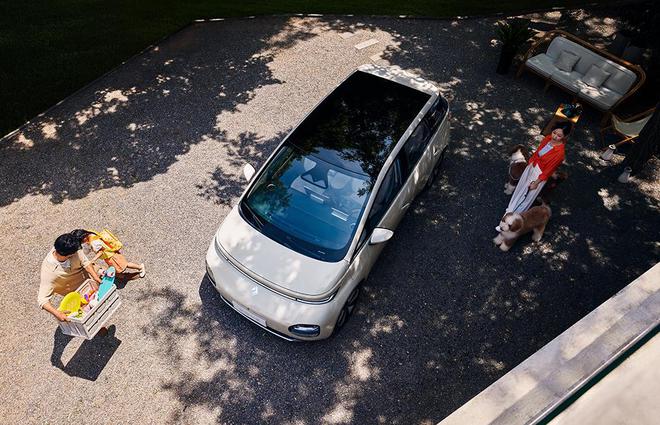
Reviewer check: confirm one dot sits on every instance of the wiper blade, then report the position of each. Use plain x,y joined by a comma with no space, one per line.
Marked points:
254,215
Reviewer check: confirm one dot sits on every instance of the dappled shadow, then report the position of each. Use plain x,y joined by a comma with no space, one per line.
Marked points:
226,183
248,375
141,117
444,313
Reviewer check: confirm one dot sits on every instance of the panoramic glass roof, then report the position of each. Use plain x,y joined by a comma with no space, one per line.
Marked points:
357,126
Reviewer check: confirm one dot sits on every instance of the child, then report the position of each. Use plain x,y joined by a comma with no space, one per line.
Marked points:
91,242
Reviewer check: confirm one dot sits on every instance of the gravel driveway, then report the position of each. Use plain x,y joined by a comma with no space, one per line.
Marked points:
154,152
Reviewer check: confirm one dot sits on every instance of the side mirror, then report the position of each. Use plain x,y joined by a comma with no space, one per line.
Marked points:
380,235
248,172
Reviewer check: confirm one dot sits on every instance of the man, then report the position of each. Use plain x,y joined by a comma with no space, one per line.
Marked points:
63,270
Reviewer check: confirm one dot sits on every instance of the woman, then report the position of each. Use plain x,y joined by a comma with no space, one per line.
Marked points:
545,160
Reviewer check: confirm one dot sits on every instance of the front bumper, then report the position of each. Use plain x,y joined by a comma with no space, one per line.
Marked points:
263,306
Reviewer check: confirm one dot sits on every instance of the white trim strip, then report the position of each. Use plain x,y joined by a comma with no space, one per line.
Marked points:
367,43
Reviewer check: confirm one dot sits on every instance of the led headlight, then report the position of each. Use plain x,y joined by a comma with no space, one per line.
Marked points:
305,330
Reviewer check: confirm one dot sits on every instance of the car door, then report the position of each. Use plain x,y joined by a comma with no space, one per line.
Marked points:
390,204
438,123
420,165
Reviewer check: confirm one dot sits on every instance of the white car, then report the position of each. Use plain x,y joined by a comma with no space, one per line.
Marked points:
293,252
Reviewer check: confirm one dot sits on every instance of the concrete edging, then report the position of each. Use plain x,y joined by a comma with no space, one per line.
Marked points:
539,385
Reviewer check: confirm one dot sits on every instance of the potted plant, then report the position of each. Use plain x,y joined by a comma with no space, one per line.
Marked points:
512,35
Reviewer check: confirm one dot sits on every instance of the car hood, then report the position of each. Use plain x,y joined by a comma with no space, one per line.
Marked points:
275,265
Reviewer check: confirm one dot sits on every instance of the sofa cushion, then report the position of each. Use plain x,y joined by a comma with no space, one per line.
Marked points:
588,59
621,78
560,44
568,80
615,86
566,61
595,77
542,63
601,96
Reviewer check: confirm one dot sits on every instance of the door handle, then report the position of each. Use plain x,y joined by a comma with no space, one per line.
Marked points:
405,206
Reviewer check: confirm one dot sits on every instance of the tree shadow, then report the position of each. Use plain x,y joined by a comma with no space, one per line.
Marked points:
141,117
225,184
444,313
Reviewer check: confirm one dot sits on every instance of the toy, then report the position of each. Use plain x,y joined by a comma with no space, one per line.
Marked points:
106,283
572,110
71,302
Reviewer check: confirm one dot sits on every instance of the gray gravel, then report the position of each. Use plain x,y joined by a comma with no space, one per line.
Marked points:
154,151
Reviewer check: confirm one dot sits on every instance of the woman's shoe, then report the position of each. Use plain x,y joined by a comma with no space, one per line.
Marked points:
143,271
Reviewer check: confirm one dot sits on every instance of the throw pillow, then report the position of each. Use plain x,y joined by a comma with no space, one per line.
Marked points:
566,61
595,77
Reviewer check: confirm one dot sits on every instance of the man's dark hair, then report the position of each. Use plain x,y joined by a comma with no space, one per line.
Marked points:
80,234
565,127
66,244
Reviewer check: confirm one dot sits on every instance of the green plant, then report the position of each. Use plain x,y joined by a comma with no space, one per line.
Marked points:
513,34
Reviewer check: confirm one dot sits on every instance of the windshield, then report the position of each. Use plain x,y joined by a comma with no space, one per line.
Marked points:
307,204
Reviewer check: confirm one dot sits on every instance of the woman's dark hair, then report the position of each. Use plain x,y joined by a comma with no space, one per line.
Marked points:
565,127
66,244
81,234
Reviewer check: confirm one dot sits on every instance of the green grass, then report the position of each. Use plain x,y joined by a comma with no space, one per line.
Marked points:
50,48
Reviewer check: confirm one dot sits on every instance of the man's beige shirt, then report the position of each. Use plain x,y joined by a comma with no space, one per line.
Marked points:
55,279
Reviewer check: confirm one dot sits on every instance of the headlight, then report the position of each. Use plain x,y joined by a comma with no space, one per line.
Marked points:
305,330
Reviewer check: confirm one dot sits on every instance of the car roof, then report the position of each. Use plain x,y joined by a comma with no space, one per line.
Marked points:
395,73
357,126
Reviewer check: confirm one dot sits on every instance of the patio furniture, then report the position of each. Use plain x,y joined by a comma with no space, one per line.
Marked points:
559,117
581,69
629,128
618,45
633,54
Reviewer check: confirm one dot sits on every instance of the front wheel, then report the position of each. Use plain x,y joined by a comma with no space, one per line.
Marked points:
347,309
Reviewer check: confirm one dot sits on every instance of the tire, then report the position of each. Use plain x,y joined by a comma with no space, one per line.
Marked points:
347,310
436,170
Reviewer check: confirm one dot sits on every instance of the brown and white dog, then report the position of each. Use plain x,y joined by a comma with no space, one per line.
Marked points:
519,155
514,225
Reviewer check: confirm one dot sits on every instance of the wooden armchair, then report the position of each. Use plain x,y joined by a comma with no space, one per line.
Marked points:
628,128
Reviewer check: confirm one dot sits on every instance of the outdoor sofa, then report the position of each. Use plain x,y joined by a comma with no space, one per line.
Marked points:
581,69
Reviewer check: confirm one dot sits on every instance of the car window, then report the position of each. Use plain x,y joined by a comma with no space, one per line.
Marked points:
307,204
416,143
436,114
389,189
